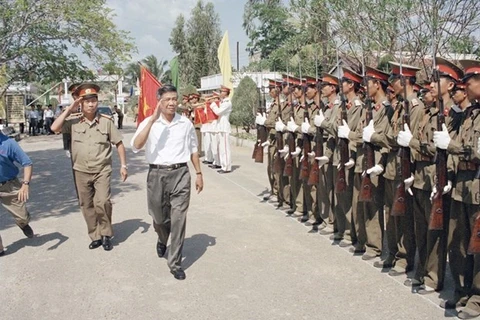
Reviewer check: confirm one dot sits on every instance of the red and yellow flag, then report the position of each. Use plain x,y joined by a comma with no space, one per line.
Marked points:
148,94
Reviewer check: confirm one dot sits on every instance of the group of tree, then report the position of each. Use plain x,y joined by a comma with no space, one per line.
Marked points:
308,35
47,41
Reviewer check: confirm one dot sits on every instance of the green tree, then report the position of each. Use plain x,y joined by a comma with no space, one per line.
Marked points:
37,38
196,42
244,104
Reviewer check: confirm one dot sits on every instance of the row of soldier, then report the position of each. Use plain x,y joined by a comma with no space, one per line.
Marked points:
210,115
364,168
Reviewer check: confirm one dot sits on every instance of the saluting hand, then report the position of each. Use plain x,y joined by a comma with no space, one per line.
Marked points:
74,106
157,112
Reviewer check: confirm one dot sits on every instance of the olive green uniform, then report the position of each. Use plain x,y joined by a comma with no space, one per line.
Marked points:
92,165
272,117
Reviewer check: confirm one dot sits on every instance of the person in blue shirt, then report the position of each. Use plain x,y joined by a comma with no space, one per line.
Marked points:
13,193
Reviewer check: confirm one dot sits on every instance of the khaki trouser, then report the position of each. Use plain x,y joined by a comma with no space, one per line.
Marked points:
94,198
168,196
9,199
431,243
322,195
272,178
465,267
399,229
343,206
368,216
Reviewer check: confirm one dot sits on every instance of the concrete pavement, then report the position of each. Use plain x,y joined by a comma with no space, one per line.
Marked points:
243,258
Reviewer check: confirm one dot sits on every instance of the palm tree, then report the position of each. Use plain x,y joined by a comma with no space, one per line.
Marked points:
157,67
132,71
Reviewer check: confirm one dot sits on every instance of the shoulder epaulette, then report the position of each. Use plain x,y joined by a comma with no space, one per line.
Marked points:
336,102
74,116
415,102
106,116
357,102
386,103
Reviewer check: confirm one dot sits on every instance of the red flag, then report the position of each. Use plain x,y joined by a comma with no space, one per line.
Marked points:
148,94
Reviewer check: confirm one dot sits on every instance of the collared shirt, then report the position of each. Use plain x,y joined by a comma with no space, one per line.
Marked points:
48,113
10,152
33,114
92,143
168,143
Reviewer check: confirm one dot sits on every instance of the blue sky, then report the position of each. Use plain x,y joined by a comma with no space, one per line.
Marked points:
151,21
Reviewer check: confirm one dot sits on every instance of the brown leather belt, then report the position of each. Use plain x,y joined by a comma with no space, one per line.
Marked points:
467,166
424,158
168,166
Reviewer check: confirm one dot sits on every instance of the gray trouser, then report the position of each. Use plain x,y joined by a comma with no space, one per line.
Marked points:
168,197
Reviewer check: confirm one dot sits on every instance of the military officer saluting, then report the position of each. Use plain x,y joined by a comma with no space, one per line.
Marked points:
92,137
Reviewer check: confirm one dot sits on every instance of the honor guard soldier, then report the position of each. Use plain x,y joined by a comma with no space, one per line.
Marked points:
464,164
92,137
222,129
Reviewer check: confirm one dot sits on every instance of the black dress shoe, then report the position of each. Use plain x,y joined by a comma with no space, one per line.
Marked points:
385,264
452,304
207,162
161,248
467,313
267,197
303,219
2,253
357,250
95,244
223,171
412,283
107,243
290,211
27,231
179,274
214,166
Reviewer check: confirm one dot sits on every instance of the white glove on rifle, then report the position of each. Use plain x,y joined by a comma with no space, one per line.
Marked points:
279,126
305,126
343,130
368,132
319,118
446,189
442,139
311,155
260,119
266,143
297,152
375,170
408,183
291,125
404,137
322,161
284,152
349,164
67,153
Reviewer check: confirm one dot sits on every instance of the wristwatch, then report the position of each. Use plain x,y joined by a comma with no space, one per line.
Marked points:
26,182
125,166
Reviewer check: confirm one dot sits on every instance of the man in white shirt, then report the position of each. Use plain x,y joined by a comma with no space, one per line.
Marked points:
223,129
48,115
33,121
170,142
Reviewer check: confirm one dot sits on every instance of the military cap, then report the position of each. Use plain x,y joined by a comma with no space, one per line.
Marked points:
448,69
376,74
417,87
185,96
216,94
224,88
194,95
350,75
328,79
470,67
73,87
406,70
87,90
425,86
460,85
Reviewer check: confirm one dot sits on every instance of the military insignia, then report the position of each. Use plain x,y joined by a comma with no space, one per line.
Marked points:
357,103
415,102
87,91
336,102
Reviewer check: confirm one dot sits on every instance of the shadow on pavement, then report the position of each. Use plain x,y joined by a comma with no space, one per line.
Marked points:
123,230
194,248
37,241
52,191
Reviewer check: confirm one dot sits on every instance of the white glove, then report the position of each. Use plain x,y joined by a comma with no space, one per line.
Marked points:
408,183
297,152
349,164
404,137
67,153
305,126
446,189
375,170
266,143
260,119
343,130
311,155
322,161
279,126
284,152
319,118
442,138
291,125
368,132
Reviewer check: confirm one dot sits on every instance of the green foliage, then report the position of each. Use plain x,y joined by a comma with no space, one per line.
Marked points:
196,42
244,104
37,38
189,89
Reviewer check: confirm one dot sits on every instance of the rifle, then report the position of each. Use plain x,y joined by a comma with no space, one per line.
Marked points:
436,214
314,179
288,170
279,163
261,135
366,186
341,183
399,207
307,146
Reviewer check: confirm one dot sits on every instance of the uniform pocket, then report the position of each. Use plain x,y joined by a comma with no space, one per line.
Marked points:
78,134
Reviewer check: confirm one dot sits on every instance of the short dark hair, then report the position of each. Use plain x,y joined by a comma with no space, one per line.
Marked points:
164,89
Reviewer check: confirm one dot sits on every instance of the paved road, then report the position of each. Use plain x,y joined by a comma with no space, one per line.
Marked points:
243,258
